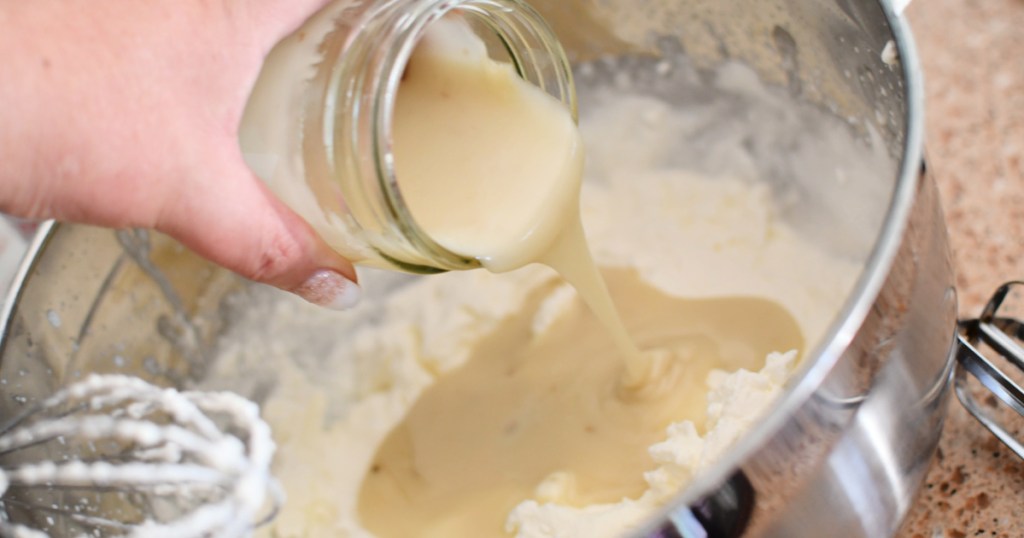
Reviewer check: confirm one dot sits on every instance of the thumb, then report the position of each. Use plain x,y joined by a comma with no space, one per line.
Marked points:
235,221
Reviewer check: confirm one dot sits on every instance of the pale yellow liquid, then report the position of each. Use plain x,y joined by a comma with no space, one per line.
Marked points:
481,439
491,168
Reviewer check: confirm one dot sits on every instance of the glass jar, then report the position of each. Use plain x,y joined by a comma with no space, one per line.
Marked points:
317,127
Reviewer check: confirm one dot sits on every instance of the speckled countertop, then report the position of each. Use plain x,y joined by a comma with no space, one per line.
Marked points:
973,56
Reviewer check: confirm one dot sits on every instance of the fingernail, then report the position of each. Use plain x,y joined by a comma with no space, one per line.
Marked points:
330,290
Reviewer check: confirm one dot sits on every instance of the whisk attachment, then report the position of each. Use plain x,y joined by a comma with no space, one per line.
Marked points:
991,350
113,455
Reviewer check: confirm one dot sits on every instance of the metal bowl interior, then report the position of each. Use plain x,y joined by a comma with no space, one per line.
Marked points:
92,300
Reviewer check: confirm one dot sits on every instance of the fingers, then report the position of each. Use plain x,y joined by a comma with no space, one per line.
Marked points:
234,221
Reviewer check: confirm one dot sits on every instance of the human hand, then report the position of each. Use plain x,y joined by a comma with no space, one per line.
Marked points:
123,113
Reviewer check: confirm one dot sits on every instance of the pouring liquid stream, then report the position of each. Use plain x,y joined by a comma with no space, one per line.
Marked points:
489,165
570,257
521,204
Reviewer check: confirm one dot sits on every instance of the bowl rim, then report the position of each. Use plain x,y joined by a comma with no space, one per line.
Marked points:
850,318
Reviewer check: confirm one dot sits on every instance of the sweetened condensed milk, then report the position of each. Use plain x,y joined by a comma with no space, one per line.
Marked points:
491,168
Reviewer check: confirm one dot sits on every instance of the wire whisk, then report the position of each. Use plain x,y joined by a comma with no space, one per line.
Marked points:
113,455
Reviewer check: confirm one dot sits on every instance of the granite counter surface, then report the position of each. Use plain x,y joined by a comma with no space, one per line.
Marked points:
973,57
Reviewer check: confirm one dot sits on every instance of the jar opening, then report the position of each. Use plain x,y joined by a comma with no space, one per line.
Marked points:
515,34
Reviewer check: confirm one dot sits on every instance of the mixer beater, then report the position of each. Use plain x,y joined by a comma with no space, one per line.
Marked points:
113,455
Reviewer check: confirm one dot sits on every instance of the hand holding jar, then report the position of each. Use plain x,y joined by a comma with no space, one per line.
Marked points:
124,114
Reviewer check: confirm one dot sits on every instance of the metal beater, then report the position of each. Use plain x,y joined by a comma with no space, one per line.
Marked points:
113,455
997,335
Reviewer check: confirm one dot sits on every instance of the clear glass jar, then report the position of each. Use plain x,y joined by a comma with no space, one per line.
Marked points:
317,127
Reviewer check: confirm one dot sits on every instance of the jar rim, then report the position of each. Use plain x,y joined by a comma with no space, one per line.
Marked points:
536,56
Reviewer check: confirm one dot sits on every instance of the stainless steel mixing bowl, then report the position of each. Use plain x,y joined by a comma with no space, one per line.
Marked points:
844,449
